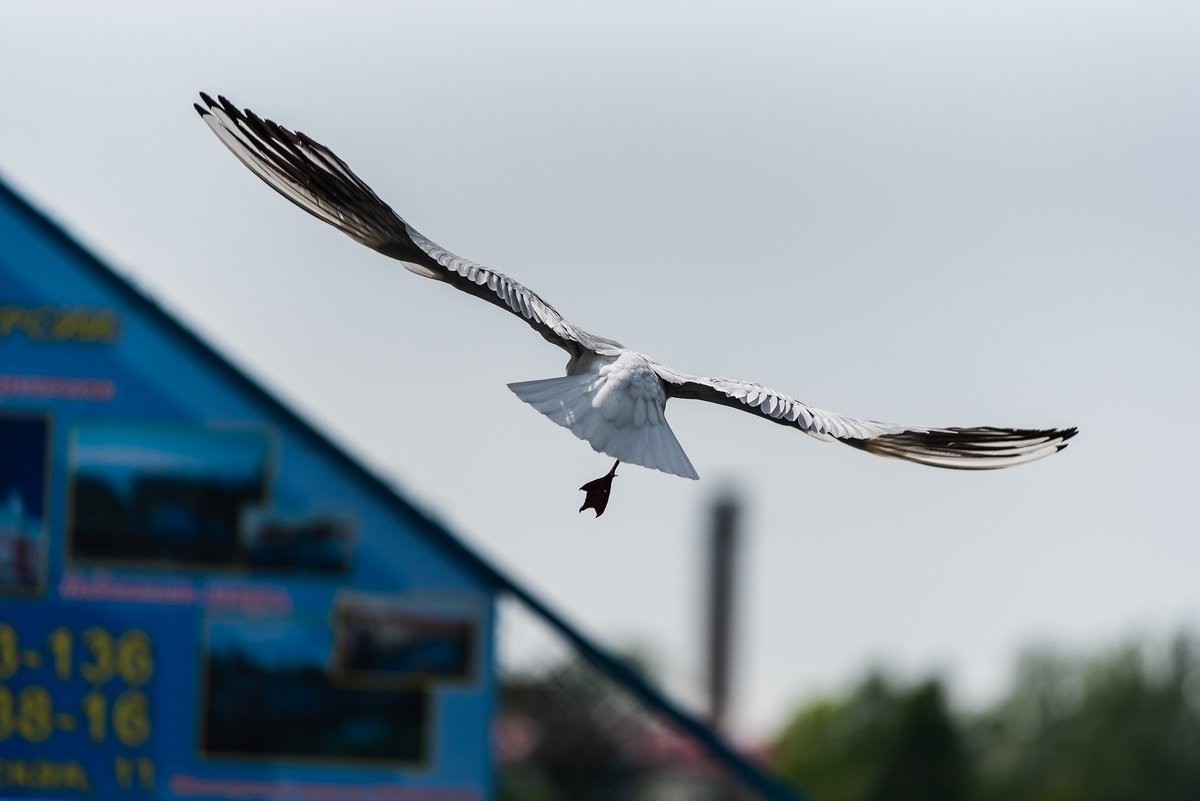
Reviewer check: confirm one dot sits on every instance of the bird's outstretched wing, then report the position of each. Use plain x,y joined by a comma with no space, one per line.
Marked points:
981,448
311,176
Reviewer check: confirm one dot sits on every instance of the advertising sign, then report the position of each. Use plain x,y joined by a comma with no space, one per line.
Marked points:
200,597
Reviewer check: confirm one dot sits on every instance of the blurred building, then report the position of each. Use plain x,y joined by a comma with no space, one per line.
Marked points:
201,596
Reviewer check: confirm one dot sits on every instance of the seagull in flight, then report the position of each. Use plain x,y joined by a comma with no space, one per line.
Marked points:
612,397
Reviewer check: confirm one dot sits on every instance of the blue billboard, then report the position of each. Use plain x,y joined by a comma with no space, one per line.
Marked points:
200,596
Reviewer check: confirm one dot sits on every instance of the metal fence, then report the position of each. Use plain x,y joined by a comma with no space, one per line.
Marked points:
576,723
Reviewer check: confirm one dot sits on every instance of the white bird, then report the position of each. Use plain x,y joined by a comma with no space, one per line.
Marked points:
612,397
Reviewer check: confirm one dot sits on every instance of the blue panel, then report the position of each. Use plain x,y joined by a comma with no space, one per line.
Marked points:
199,598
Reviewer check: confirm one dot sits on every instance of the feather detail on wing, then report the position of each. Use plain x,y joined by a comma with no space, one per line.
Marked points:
315,179
771,404
308,174
981,448
502,290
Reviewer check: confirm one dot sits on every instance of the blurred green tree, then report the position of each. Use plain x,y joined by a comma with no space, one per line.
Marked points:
1124,725
881,742
1118,726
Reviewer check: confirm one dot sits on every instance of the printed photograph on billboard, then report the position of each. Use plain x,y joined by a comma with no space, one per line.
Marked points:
166,495
310,543
385,639
269,694
24,461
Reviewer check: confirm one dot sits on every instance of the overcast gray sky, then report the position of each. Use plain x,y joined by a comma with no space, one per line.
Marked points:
925,212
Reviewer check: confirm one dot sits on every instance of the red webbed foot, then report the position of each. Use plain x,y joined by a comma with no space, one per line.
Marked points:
598,490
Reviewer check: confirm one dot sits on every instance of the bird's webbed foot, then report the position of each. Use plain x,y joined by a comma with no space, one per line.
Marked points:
598,490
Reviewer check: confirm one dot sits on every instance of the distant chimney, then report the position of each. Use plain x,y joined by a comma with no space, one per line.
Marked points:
722,553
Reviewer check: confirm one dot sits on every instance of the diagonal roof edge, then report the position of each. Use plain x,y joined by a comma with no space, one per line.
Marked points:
390,495
755,777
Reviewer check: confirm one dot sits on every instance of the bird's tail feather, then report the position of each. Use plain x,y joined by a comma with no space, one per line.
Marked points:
576,403
968,448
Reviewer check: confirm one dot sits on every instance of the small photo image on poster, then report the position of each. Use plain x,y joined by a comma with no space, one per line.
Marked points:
317,543
24,467
381,639
169,495
269,695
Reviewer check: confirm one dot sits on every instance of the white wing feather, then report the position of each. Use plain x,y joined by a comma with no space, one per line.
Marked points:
978,448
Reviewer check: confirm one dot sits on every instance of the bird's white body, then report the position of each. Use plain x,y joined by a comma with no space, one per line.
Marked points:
612,397
615,401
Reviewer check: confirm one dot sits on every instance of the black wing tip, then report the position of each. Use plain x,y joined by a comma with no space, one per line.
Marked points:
968,448
221,103
241,116
981,435
249,117
225,105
